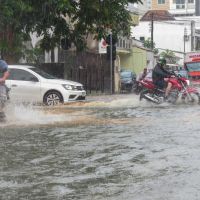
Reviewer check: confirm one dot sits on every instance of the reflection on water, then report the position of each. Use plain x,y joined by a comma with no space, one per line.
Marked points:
107,149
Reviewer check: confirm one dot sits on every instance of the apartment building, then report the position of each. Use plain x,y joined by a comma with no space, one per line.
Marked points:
177,8
160,4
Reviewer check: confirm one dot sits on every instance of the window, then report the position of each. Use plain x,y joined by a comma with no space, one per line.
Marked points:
191,1
42,73
181,1
142,39
21,75
161,1
180,4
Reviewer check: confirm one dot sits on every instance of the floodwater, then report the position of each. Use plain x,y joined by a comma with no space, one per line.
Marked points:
109,148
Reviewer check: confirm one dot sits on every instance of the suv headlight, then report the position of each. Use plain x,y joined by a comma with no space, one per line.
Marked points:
67,87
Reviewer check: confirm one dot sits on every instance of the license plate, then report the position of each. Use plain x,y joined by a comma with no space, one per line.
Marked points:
83,93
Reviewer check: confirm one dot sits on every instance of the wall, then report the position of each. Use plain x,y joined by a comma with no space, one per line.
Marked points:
151,61
134,61
139,59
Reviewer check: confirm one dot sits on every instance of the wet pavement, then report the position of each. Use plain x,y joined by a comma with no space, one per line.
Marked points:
110,147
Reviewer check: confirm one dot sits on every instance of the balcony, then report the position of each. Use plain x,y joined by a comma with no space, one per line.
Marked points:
124,45
180,6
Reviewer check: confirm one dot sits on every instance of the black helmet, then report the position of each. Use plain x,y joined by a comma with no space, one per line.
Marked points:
162,61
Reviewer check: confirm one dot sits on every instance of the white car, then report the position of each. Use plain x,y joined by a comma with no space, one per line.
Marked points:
31,84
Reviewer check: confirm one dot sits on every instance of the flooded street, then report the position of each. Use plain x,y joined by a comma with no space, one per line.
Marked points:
111,148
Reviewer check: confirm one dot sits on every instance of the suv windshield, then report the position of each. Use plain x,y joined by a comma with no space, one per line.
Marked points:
42,73
126,75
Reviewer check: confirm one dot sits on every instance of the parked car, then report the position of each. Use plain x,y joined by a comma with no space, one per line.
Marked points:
31,84
128,79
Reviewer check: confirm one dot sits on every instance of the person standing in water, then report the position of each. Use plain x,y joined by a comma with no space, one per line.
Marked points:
4,74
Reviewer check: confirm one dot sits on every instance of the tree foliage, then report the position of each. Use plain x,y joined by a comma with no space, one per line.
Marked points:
56,19
147,44
169,56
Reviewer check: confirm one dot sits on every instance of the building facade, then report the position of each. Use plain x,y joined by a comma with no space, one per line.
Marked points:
175,7
160,4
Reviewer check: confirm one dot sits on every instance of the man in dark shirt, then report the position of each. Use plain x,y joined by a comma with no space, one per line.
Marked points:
159,74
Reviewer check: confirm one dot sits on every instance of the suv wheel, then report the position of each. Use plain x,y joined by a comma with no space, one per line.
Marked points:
52,98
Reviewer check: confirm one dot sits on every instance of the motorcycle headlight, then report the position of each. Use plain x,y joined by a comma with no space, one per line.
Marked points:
68,87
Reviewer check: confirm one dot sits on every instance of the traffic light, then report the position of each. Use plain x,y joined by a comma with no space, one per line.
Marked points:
111,38
114,39
113,52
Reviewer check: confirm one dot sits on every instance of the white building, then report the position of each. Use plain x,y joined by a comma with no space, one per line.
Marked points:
170,34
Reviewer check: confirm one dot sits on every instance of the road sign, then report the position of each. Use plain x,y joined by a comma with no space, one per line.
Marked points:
102,46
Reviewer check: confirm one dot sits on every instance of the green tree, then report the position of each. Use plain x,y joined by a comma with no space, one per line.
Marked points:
56,19
169,56
147,44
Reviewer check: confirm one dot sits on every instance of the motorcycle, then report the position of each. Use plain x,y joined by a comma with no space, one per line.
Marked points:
180,88
137,87
4,97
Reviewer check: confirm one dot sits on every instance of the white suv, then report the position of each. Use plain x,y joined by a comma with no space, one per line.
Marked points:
31,84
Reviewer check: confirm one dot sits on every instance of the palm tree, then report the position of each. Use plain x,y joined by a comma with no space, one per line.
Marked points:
169,56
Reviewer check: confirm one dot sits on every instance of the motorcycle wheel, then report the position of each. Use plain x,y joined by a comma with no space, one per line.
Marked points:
194,98
136,88
173,96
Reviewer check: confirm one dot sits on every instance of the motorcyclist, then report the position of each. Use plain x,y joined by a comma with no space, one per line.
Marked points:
159,74
4,73
142,75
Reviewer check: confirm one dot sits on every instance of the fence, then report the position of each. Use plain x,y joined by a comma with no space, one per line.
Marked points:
90,69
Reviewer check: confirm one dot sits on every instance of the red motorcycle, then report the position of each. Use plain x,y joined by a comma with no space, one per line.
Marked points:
180,88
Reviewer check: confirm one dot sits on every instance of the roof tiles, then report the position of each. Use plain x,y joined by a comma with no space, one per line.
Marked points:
158,15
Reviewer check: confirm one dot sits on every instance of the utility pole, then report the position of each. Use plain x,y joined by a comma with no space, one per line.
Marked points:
197,7
152,23
111,41
185,37
192,35
111,64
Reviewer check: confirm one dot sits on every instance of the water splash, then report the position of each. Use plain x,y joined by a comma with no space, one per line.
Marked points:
74,113
110,101
28,114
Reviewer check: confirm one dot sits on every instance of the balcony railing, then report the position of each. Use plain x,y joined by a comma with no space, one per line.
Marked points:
124,44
